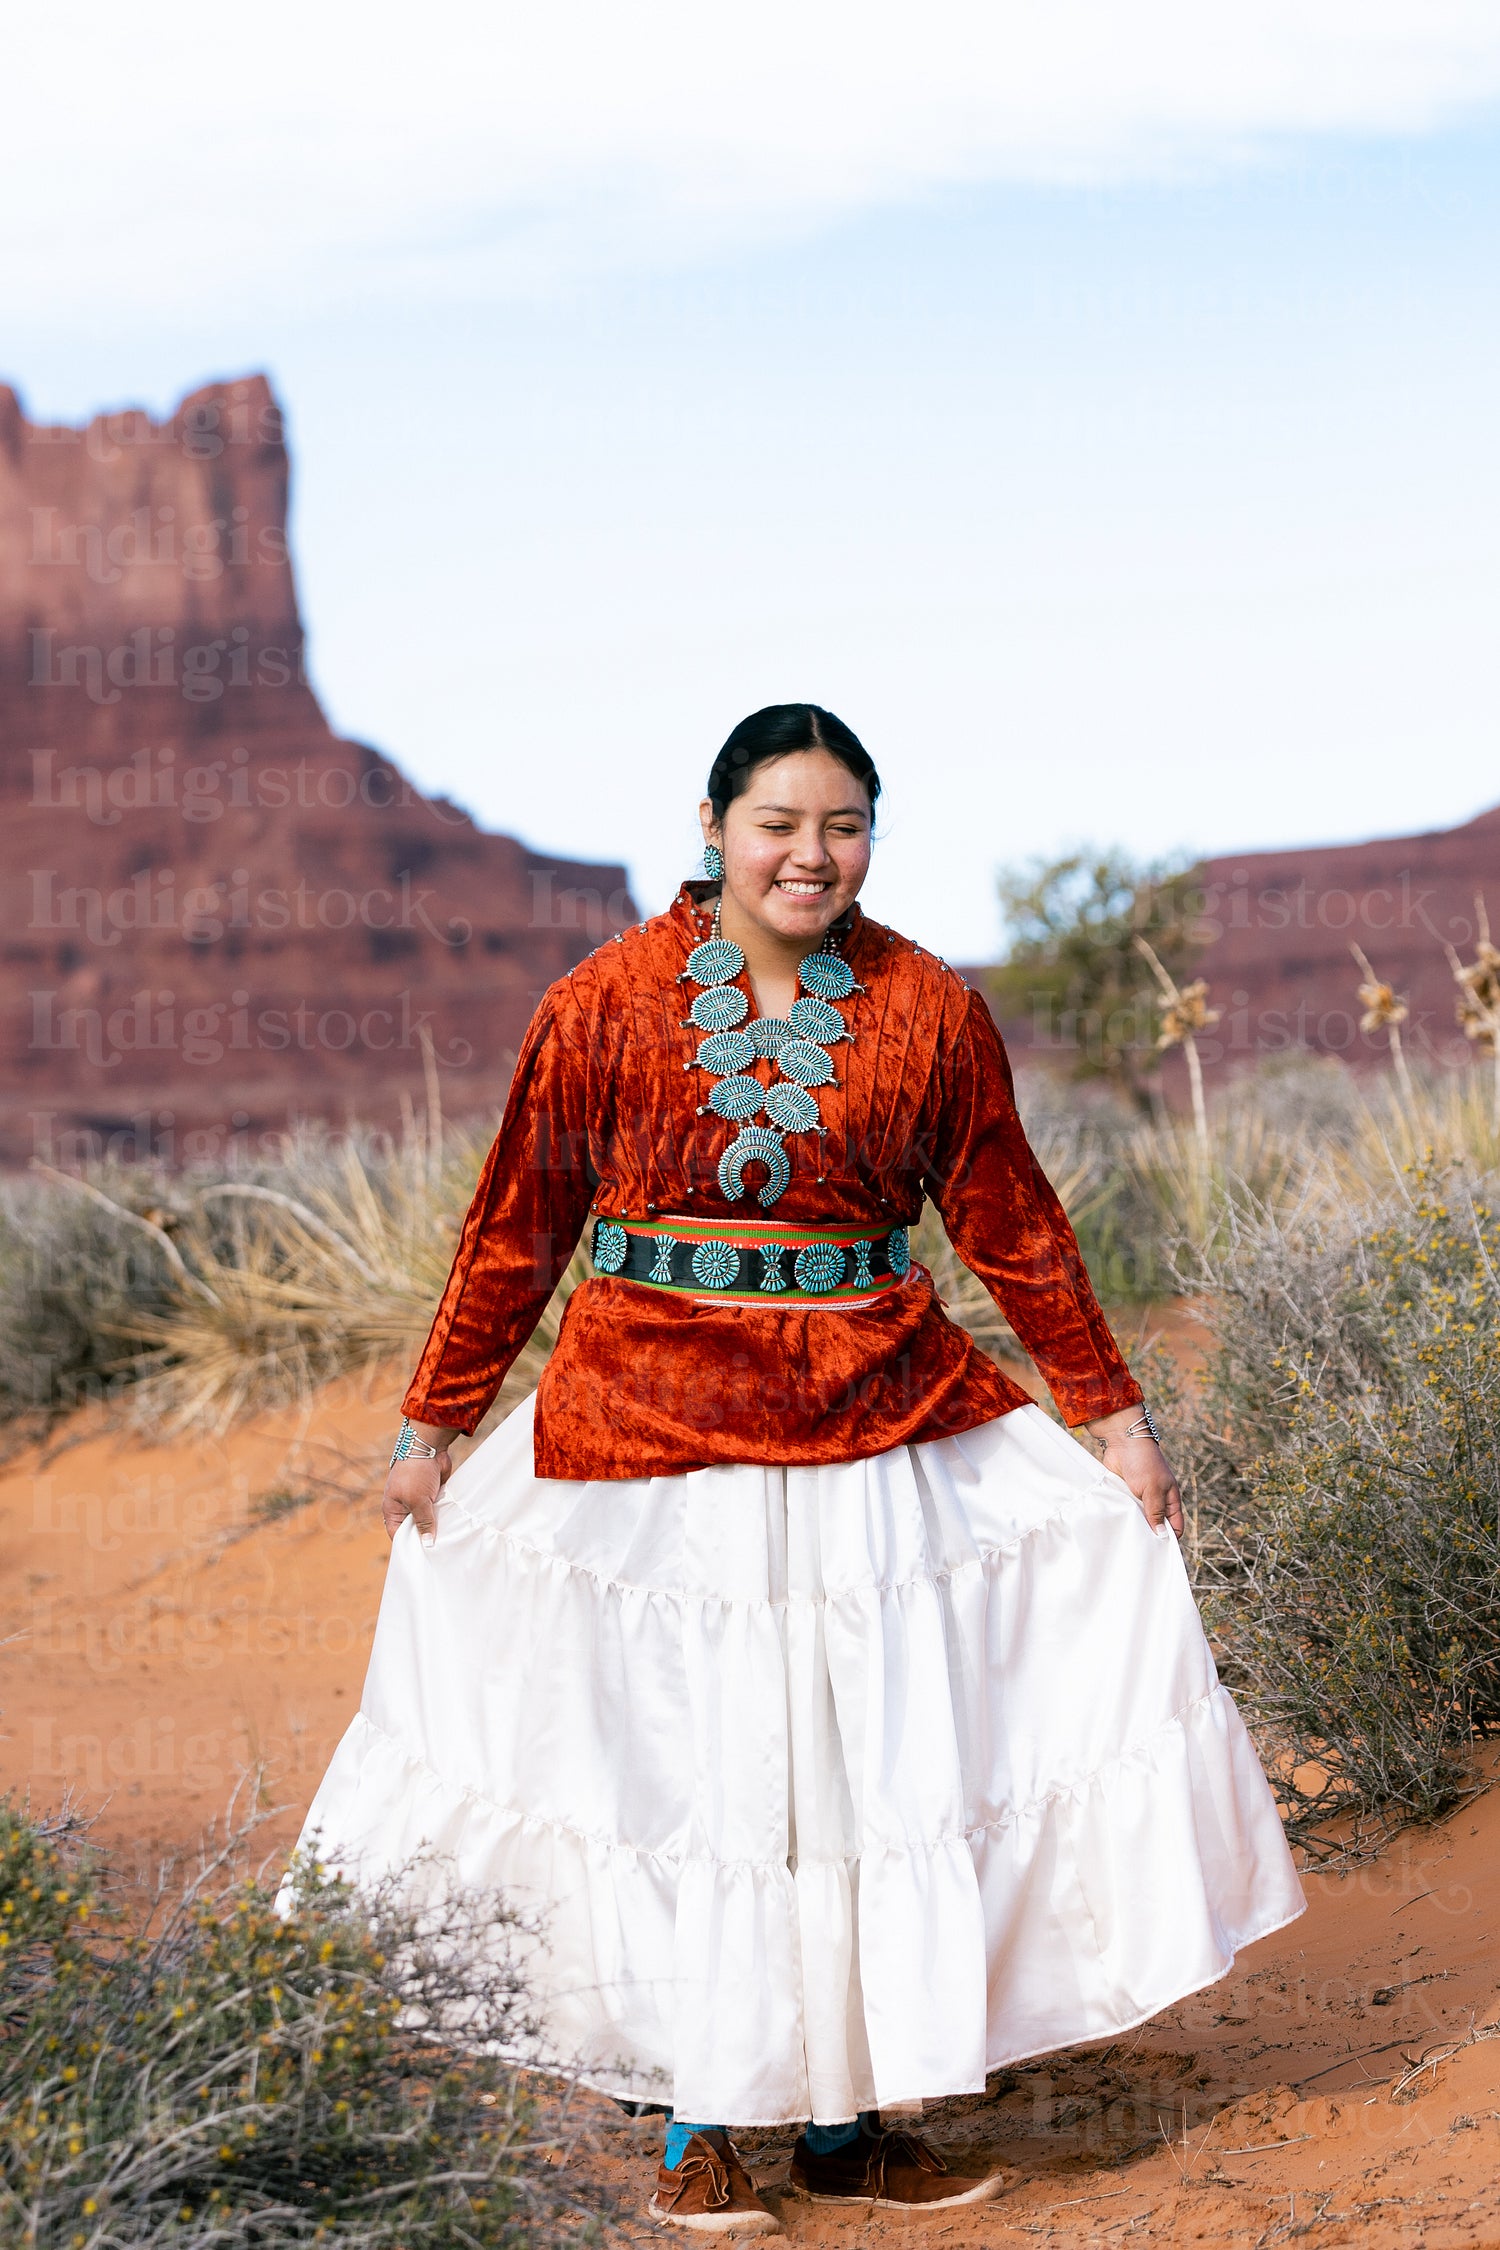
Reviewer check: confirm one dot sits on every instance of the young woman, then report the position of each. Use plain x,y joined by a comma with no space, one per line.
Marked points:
850,1723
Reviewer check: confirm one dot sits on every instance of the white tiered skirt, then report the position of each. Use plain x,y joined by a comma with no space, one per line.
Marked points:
837,1787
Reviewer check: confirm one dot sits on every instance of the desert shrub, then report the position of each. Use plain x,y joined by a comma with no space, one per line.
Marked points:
70,1276
1342,1458
234,2076
1301,1095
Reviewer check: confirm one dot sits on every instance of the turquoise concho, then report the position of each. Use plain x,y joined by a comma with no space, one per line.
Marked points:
715,961
826,976
806,1062
820,1266
716,1264
790,1107
814,1019
737,1098
719,1007
771,1033
610,1246
898,1251
726,1051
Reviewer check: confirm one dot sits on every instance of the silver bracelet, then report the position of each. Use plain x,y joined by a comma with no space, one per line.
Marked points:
1143,1425
410,1447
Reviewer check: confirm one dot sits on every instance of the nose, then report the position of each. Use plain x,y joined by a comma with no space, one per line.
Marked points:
810,850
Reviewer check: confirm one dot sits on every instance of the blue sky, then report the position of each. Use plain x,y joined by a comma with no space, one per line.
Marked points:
1122,474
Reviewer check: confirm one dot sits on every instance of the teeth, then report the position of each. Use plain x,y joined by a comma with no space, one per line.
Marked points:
803,890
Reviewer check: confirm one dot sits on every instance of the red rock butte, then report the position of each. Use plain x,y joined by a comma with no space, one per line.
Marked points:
1279,964
218,916
1277,928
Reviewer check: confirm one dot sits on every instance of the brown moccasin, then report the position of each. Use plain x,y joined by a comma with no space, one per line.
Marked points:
893,2171
711,2191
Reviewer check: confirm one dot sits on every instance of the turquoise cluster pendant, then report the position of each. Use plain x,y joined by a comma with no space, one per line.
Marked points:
797,1043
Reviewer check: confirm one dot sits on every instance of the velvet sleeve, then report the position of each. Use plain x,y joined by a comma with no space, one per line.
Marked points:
1006,1223
523,1225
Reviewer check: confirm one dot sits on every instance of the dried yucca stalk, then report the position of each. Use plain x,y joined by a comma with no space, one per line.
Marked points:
1384,1010
1478,982
1184,1015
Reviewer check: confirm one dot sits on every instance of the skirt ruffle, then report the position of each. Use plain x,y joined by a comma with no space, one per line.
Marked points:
833,1787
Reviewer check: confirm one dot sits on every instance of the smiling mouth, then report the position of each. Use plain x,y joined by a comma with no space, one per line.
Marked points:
802,890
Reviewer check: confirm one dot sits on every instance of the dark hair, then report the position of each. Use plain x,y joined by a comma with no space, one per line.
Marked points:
771,734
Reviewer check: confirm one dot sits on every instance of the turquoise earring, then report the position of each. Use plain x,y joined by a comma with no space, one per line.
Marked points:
713,863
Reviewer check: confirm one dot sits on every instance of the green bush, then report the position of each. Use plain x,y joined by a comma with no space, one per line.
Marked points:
238,2076
1342,1459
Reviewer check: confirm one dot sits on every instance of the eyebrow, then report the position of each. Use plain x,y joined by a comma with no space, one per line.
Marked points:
839,812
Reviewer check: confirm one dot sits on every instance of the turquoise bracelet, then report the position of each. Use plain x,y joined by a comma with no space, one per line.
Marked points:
410,1447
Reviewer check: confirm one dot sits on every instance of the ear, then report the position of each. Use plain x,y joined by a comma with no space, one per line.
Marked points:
708,823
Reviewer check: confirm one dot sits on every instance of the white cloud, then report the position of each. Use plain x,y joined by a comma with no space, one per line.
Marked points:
188,159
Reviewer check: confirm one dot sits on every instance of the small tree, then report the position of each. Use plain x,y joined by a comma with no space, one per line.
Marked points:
1072,962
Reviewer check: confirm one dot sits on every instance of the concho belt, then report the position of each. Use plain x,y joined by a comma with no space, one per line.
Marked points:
752,1260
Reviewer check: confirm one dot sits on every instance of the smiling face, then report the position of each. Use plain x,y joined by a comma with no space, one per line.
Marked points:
796,846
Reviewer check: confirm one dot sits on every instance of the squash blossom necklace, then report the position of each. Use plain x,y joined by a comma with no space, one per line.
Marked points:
798,1043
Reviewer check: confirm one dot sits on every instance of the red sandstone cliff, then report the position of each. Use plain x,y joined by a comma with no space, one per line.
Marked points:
1279,963
216,915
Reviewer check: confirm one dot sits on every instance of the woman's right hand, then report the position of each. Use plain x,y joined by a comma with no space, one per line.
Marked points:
411,1489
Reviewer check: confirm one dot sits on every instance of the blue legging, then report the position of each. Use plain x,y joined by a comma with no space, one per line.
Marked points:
821,2139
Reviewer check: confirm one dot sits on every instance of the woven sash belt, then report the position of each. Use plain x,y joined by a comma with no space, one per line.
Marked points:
752,1260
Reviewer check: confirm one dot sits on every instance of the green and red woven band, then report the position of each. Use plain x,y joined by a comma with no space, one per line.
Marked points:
753,1261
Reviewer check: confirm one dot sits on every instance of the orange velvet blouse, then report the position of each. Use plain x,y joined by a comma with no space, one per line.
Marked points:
602,1120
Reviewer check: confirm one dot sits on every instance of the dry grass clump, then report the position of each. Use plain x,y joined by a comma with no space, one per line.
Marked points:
1342,1458
230,2076
1445,1120
201,1298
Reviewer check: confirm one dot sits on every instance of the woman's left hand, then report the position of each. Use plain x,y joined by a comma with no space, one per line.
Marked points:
1140,1463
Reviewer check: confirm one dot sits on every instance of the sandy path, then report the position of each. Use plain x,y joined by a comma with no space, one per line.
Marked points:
173,1614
